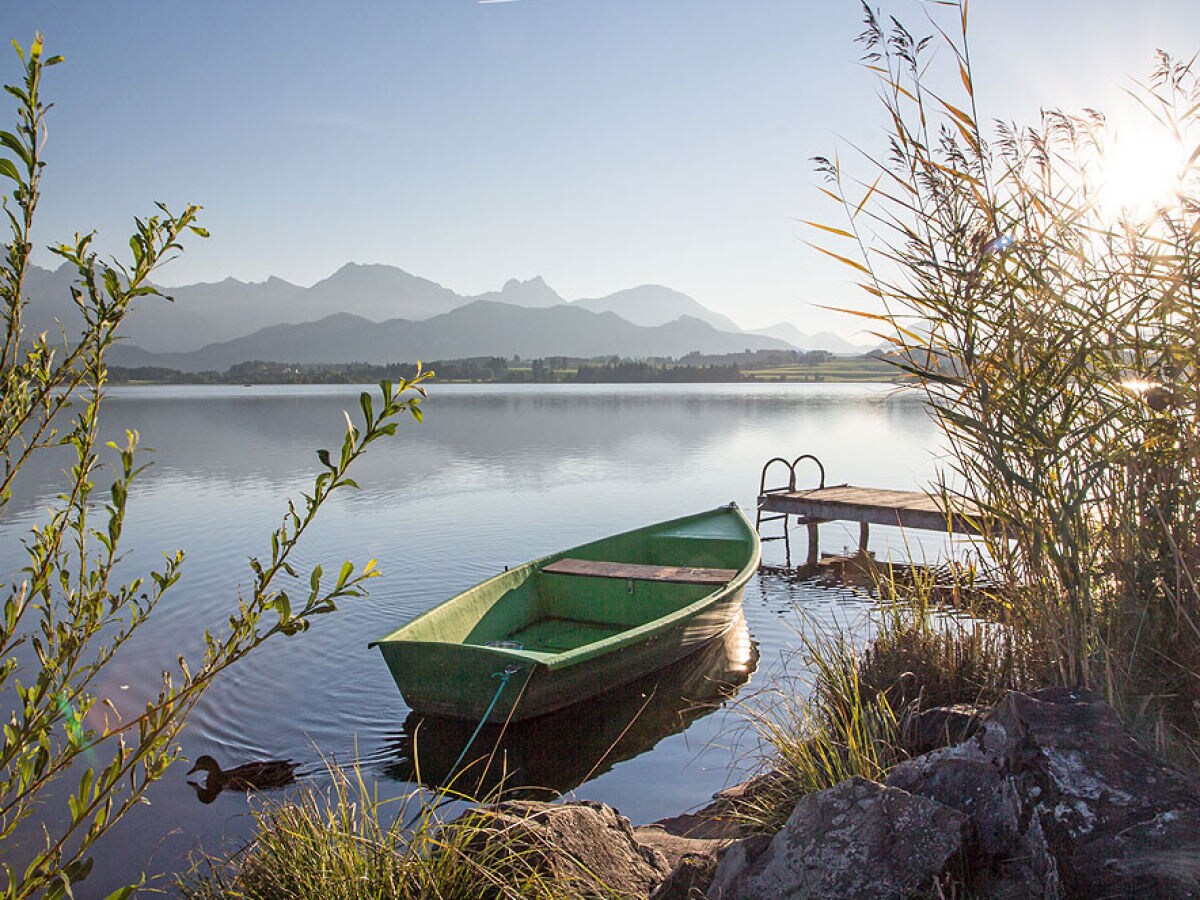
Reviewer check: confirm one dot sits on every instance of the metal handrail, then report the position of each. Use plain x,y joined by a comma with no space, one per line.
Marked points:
762,480
801,458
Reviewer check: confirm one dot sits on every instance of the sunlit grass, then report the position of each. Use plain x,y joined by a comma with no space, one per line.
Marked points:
344,843
844,712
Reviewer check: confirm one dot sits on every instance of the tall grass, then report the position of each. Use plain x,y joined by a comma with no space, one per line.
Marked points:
1057,342
946,644
344,843
820,728
847,713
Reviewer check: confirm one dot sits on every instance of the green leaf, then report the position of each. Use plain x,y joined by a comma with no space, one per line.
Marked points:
85,783
9,170
13,143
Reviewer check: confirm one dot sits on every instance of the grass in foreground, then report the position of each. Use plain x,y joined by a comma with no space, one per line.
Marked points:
346,844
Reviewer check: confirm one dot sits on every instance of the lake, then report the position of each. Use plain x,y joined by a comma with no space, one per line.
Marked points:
495,476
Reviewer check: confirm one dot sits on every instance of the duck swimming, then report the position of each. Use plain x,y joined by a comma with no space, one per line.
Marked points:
247,777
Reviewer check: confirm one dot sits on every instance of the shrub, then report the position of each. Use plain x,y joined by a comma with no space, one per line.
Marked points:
64,614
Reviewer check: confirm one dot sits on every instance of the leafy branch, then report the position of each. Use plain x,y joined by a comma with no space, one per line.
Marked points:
64,619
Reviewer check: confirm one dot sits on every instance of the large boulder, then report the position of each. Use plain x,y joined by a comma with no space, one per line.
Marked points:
1064,802
586,846
857,839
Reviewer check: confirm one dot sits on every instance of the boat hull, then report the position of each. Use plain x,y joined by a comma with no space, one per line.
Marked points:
556,640
552,754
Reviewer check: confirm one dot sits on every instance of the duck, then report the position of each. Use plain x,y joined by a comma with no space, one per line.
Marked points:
249,776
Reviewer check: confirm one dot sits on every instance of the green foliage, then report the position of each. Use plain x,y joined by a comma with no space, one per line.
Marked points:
929,652
846,714
346,844
820,728
1057,340
64,617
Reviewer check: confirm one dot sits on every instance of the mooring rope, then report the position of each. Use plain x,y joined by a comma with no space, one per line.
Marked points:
508,672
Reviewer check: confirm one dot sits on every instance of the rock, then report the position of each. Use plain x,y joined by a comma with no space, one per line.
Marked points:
1004,857
1115,817
1064,802
941,726
675,847
694,858
1156,858
721,819
968,785
587,846
857,839
689,880
734,862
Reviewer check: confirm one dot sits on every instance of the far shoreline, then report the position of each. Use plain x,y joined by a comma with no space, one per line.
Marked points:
816,367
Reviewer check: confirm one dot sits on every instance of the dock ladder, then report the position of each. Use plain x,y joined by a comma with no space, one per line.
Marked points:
764,515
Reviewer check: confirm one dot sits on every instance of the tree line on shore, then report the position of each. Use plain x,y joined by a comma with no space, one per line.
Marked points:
695,367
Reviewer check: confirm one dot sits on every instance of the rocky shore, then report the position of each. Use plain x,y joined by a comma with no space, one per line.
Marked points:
1045,795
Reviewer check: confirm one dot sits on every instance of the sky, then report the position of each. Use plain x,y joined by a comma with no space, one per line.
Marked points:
600,144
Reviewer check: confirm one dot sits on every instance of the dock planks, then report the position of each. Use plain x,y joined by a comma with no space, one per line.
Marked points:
875,506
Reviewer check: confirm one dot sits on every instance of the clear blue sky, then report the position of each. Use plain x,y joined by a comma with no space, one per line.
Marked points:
598,143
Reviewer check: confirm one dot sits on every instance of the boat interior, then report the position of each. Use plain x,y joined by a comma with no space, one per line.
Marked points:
563,603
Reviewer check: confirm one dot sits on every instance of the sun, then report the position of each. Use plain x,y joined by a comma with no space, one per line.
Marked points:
1142,164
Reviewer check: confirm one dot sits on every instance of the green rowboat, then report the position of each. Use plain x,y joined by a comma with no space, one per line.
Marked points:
571,625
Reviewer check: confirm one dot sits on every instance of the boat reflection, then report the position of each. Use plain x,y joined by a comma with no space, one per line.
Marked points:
555,753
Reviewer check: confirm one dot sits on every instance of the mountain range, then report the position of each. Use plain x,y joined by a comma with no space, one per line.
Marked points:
382,314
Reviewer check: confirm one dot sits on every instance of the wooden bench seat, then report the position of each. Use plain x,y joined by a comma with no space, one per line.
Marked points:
639,572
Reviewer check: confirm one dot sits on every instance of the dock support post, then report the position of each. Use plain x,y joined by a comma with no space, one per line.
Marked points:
864,535
814,548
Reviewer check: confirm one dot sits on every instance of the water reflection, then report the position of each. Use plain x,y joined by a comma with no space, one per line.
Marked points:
218,440
495,476
556,753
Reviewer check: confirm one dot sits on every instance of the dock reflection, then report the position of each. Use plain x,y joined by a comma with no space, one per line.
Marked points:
553,754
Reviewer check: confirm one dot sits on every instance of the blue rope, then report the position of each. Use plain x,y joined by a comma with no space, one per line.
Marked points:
507,673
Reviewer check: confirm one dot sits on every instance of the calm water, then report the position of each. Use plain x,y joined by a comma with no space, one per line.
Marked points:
493,477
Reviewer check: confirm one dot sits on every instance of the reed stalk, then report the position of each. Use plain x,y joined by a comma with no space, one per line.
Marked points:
1055,339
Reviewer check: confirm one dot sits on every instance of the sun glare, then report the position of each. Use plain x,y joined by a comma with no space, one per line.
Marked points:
1141,171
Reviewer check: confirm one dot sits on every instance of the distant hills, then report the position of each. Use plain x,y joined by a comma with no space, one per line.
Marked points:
482,328
382,314
822,340
652,304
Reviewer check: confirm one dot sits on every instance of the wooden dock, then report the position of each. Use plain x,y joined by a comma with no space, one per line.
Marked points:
850,503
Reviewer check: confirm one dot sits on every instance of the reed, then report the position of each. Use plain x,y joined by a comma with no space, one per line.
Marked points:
819,728
844,712
928,652
1056,338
